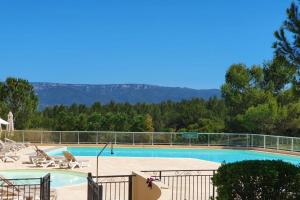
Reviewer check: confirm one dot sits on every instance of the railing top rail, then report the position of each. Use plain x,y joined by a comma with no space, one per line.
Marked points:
21,179
184,170
114,176
171,133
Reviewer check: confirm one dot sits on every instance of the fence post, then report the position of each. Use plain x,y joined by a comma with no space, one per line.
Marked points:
130,188
264,141
171,143
208,140
60,137
292,145
228,140
42,137
152,138
115,138
277,143
133,139
78,140
23,136
97,137
213,185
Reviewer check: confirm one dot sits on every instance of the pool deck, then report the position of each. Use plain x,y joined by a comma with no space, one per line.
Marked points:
111,166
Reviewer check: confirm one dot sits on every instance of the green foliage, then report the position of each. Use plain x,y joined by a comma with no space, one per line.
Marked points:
257,179
278,73
288,42
261,118
17,96
192,115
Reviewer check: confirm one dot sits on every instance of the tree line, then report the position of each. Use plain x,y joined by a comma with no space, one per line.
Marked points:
255,99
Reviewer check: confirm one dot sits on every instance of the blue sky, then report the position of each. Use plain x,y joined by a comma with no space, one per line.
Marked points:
185,43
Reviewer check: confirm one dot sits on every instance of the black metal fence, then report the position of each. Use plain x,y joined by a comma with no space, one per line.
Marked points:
26,189
187,184
110,187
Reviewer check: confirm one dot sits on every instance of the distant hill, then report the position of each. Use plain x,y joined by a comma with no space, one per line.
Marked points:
55,93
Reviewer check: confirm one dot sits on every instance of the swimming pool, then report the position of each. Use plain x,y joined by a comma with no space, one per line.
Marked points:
215,155
59,178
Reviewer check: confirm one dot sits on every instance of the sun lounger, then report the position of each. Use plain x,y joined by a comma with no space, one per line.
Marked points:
7,155
38,155
73,162
8,146
18,145
44,160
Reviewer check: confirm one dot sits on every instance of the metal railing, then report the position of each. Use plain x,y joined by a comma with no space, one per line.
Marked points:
156,138
118,187
187,184
27,188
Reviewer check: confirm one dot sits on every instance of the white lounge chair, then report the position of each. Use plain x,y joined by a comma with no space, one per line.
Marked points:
18,145
44,160
7,155
73,162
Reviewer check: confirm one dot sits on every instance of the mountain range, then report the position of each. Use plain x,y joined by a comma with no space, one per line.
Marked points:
57,93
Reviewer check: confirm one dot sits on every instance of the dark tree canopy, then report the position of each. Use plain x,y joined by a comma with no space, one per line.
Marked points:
17,95
288,41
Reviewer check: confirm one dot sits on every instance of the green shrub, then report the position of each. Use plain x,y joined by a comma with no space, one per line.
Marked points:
258,180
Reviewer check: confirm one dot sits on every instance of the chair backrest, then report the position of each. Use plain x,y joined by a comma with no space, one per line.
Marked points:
39,152
42,153
69,156
45,155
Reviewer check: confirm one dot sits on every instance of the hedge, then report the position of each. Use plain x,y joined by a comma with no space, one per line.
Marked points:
258,180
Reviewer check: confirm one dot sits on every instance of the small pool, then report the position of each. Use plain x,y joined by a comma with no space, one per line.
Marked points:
59,178
214,155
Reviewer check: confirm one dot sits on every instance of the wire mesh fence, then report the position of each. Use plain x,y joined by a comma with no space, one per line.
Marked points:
155,138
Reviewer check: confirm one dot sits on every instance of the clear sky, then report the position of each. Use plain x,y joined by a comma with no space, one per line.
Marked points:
185,43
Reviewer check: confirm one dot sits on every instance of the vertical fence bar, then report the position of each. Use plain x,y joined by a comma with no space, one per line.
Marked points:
23,136
115,137
171,138
133,143
277,143
208,139
228,140
78,140
130,188
97,137
60,137
247,140
213,186
152,138
264,141
292,145
42,137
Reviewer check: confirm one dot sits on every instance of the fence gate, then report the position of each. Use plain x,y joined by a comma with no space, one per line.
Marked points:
94,190
45,188
110,187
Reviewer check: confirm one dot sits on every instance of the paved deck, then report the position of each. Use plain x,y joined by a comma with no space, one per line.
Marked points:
112,166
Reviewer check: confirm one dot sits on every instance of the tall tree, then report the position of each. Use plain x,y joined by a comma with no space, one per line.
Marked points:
278,74
288,41
17,95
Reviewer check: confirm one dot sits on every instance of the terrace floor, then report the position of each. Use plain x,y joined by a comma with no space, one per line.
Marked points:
112,166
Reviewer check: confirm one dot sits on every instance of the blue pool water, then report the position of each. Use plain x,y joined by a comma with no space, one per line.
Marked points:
215,155
58,178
